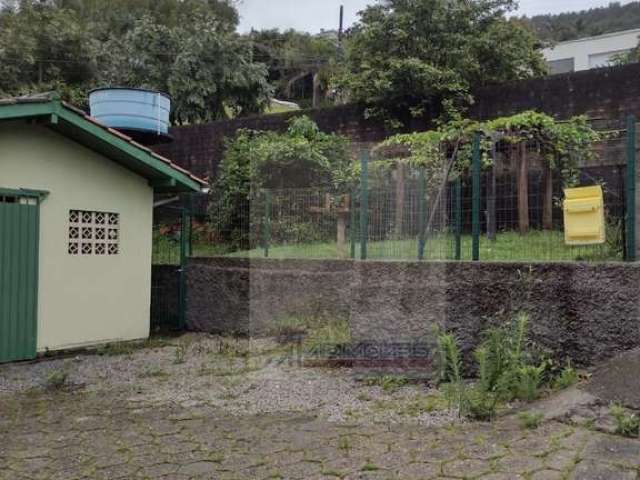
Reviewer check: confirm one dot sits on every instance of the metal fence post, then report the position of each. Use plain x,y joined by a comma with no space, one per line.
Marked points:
631,190
422,207
475,199
182,286
364,203
267,222
353,221
457,199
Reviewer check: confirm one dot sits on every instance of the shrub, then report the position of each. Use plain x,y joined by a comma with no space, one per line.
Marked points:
627,423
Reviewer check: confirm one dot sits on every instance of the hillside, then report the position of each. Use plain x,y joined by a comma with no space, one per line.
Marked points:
595,21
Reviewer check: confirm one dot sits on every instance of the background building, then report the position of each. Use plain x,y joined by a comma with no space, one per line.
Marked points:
590,52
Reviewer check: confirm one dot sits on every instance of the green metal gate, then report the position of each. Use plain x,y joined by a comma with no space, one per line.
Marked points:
19,223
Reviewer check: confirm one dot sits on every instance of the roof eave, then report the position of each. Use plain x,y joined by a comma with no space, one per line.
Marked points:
165,177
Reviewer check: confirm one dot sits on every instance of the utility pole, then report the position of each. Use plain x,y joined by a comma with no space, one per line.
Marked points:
341,27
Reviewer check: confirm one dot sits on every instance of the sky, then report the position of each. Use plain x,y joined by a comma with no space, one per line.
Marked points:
314,15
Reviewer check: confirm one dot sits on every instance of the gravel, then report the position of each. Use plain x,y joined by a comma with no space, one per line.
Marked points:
241,377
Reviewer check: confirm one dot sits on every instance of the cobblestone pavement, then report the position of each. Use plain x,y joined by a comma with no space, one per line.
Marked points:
110,434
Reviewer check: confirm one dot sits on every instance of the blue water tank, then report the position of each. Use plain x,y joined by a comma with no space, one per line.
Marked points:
141,114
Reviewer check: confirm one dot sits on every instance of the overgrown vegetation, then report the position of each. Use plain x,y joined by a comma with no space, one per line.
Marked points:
506,370
302,157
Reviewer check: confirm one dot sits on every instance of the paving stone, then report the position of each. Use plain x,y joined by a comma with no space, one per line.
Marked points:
466,468
589,470
418,471
624,451
547,475
518,464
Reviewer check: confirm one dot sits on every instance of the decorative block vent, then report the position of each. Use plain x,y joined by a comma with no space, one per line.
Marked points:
94,233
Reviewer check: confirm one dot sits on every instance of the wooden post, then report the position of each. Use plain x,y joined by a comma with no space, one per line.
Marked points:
547,196
400,190
341,236
523,190
491,197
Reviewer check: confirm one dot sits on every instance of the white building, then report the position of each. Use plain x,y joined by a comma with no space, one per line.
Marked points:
590,52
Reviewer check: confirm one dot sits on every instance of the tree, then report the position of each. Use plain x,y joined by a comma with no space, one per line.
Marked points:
187,48
299,63
409,55
207,71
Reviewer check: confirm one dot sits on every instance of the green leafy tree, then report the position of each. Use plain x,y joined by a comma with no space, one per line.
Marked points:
187,48
407,55
299,64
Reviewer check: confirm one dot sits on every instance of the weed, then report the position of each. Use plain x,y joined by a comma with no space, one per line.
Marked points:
421,404
567,377
504,371
369,467
530,378
449,359
388,383
57,379
291,328
179,354
332,333
344,444
154,373
333,473
530,420
627,423
363,397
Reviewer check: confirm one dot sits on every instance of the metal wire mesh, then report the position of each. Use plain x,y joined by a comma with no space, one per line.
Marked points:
520,217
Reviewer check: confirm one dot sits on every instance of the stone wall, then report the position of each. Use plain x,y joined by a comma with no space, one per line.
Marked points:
585,311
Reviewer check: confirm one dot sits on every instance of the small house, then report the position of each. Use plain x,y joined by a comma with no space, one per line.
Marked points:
76,208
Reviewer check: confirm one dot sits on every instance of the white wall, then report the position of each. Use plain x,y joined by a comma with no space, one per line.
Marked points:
593,52
87,299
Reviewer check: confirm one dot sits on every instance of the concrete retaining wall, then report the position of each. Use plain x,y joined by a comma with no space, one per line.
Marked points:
585,311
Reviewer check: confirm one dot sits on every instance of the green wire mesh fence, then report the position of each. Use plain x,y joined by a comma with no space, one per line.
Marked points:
492,214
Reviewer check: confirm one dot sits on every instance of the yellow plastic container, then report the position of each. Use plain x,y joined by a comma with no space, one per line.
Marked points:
584,216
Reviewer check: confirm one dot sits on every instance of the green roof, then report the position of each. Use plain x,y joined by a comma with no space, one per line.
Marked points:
162,174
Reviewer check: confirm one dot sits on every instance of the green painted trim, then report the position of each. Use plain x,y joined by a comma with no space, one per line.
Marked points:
475,198
132,151
24,192
56,112
25,110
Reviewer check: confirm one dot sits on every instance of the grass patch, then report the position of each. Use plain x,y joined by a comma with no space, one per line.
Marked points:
537,245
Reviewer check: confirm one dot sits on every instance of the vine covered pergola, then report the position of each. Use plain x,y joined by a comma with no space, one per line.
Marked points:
520,140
